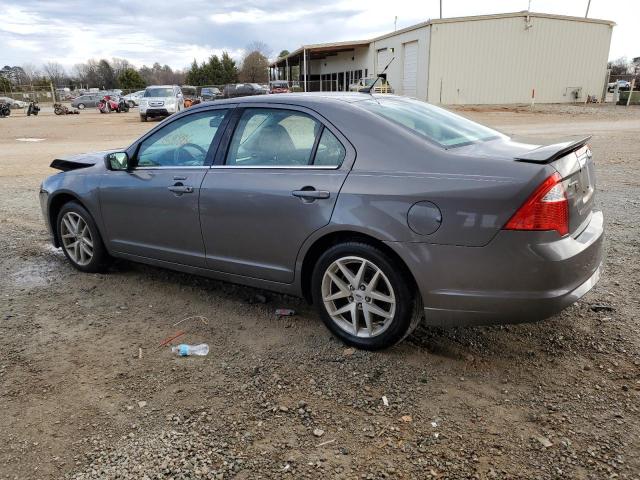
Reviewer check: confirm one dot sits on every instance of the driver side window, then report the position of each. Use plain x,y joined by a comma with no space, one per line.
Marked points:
183,143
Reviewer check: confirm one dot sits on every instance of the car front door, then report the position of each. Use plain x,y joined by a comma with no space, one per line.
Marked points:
152,210
275,181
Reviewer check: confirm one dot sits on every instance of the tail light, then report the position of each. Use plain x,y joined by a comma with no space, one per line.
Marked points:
546,209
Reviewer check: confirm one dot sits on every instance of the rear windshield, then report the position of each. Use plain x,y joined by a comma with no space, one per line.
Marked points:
436,124
279,84
158,92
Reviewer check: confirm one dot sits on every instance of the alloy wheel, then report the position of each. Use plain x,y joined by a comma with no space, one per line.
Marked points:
358,296
76,238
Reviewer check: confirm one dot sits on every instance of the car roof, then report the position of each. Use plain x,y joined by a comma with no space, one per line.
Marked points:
302,99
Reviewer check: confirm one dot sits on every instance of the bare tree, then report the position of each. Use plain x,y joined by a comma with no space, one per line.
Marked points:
259,46
255,68
31,72
55,73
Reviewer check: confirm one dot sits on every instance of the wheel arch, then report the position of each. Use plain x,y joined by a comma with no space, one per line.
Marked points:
55,205
321,244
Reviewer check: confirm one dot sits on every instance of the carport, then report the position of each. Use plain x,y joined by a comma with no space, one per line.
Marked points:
304,66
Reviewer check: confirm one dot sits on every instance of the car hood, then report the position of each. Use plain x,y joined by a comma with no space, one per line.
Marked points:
83,160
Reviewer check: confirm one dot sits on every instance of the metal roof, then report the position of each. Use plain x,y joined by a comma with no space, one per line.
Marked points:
350,45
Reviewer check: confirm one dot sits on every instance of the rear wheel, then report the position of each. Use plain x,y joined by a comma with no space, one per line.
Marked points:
80,239
364,297
81,106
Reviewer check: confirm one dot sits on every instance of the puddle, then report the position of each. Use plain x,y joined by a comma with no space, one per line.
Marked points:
34,274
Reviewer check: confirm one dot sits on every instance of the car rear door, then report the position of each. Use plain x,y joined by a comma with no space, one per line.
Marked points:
275,181
152,210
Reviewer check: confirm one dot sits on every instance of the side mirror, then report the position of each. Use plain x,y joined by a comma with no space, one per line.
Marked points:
118,161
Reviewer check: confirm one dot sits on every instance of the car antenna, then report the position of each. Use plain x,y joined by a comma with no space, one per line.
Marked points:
382,75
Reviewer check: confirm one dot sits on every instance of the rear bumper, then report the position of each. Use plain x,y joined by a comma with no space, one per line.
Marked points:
518,277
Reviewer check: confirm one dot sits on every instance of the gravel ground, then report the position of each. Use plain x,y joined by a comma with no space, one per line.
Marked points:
86,393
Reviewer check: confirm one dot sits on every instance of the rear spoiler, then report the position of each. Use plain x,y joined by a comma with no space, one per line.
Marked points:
550,153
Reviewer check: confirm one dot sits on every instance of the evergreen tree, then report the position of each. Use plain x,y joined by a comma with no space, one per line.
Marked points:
130,79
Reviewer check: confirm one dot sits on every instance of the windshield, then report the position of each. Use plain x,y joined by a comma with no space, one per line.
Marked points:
158,92
433,123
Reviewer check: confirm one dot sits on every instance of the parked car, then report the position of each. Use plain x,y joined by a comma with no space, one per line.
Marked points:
210,93
13,103
279,86
433,215
622,85
242,90
161,101
133,98
382,85
87,101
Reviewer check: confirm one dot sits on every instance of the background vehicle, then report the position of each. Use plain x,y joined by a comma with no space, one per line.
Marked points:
433,215
13,103
87,101
622,85
5,109
210,93
190,96
133,98
382,86
60,109
33,108
160,101
279,86
242,90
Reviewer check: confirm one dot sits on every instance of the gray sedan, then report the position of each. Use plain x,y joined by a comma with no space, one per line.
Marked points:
380,210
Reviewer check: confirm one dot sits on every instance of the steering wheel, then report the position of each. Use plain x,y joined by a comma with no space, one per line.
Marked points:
192,162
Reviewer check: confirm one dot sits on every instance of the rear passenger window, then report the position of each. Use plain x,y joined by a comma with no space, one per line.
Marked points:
330,151
268,137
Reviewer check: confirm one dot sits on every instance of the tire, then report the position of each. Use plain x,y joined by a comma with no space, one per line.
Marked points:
393,289
81,106
143,118
131,104
87,257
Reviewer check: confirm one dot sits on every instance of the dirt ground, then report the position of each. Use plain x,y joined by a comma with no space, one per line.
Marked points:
281,398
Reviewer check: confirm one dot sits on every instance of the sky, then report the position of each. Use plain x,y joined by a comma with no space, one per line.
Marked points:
174,33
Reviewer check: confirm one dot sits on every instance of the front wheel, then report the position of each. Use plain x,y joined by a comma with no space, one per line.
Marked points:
364,297
80,239
143,118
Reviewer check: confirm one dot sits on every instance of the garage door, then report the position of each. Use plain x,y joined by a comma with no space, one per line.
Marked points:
410,76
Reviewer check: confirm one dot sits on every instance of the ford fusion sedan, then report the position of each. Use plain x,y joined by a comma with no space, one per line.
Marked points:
380,210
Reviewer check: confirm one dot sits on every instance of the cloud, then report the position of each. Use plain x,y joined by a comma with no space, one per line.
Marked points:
148,31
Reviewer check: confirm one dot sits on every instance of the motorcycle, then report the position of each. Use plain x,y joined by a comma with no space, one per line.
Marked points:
108,104
33,108
5,110
123,106
60,109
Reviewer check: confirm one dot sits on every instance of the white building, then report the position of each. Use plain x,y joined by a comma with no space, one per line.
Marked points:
488,59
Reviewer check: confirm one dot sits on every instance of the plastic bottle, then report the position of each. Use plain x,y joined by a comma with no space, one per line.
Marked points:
187,350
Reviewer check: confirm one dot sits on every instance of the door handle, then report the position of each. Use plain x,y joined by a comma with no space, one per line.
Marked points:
311,194
179,189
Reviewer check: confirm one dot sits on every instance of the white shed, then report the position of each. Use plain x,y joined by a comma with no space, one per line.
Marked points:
489,59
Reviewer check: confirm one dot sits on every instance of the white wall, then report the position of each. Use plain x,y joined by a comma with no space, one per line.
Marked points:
395,71
501,61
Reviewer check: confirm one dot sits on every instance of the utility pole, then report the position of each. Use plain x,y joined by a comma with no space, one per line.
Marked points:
441,9
588,5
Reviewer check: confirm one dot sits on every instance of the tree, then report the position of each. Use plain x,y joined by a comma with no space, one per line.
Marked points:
229,69
619,66
283,53
130,79
258,46
55,73
106,75
31,72
5,85
255,68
